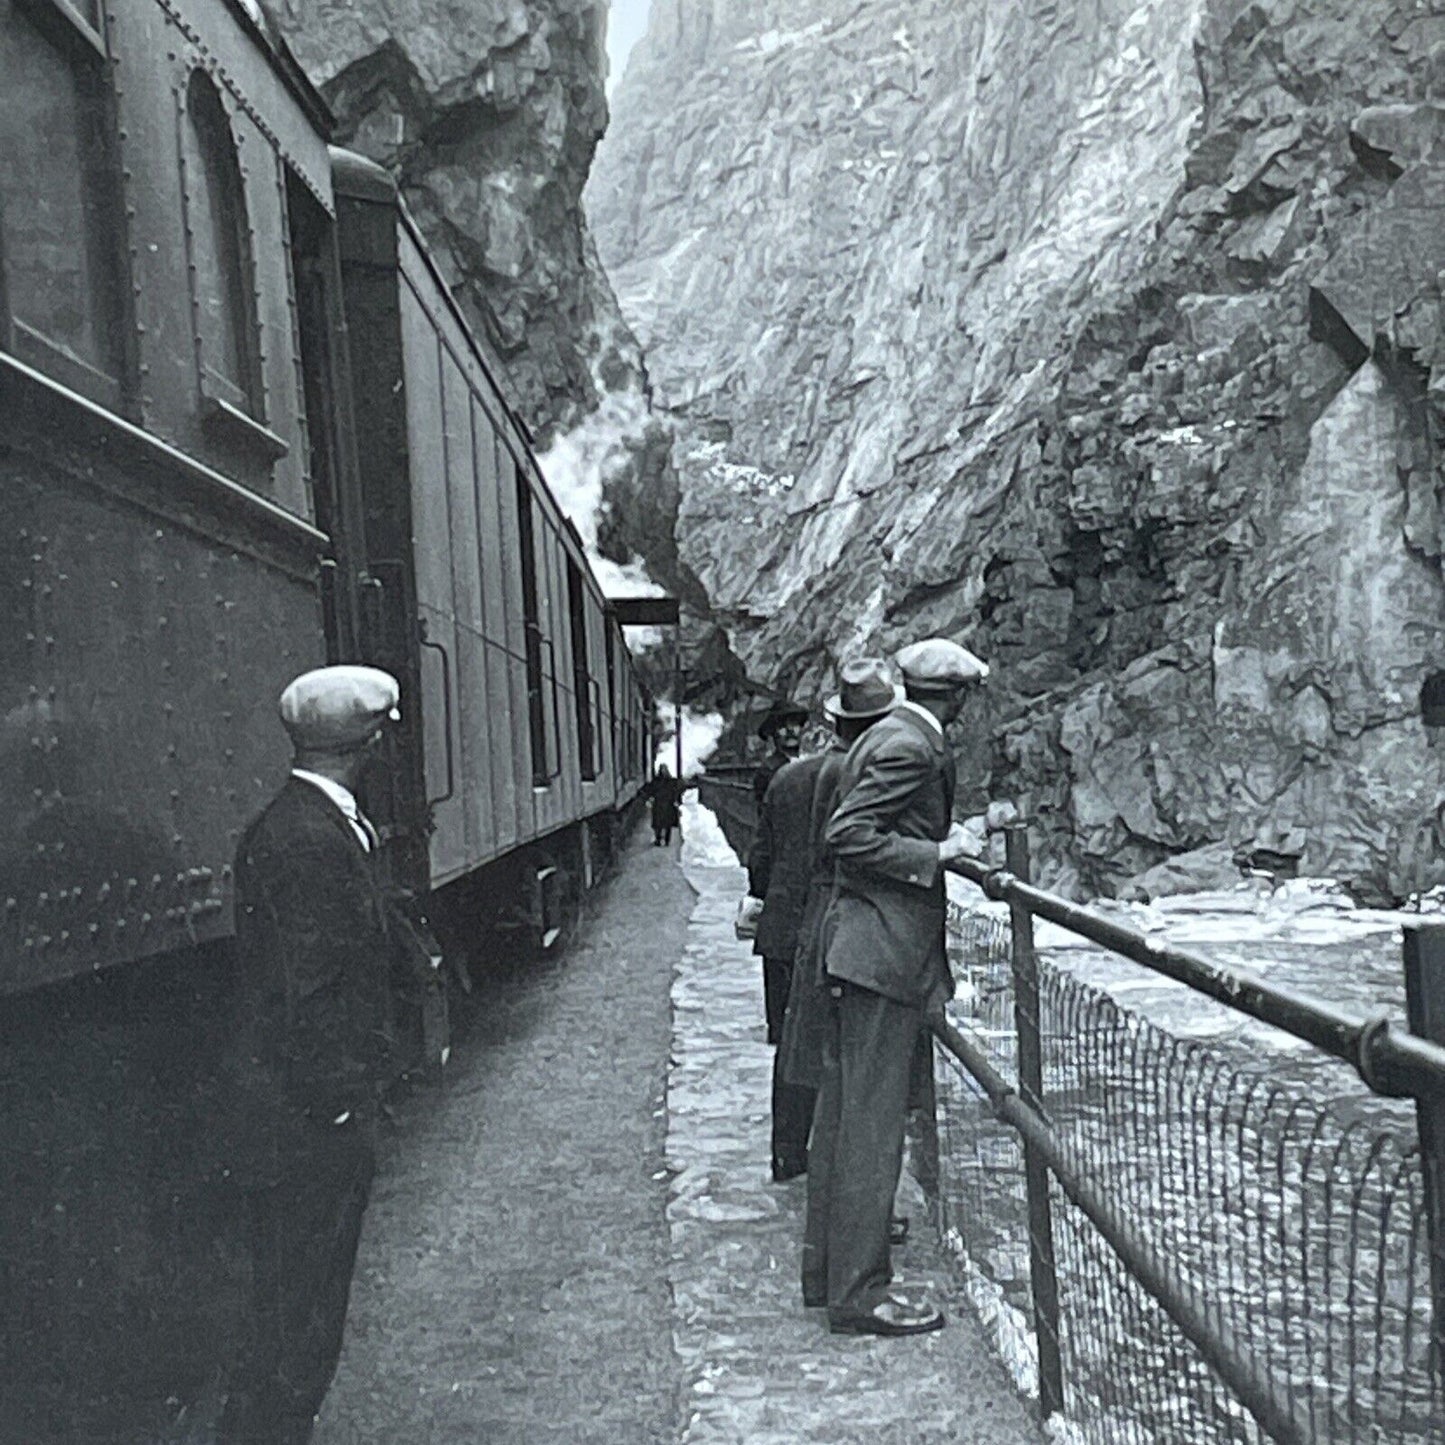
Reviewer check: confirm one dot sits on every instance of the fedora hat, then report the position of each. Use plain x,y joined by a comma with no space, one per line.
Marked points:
781,714
864,689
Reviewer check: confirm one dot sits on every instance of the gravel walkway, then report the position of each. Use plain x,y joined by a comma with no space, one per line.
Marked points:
535,1269
512,1286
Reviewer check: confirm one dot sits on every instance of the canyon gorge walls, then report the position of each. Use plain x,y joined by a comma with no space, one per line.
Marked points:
1102,334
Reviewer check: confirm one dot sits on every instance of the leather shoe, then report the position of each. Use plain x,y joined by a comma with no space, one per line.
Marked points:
783,1171
898,1229
892,1317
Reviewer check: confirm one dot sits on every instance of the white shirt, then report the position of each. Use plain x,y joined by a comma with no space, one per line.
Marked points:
344,799
923,712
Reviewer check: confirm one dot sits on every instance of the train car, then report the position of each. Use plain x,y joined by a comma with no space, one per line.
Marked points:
166,479
188,523
529,734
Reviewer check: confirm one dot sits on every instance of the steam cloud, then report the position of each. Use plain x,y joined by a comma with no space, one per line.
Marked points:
700,734
578,466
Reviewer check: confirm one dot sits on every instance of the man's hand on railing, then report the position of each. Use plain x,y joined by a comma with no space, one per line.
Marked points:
959,843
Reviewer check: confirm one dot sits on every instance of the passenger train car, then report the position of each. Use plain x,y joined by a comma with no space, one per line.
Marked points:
244,430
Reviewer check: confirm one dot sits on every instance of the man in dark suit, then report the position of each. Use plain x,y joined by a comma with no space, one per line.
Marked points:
316,947
783,727
884,955
865,694
778,865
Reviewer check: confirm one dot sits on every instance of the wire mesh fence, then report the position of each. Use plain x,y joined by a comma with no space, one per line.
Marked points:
1295,1220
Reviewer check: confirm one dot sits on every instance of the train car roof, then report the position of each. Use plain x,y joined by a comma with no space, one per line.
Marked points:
261,25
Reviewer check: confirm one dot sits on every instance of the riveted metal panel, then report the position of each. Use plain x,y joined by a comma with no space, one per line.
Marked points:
137,717
294,125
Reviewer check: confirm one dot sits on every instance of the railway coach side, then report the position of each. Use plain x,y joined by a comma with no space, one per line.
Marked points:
477,593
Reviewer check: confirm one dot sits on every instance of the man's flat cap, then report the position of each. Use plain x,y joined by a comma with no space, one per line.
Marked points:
338,707
939,665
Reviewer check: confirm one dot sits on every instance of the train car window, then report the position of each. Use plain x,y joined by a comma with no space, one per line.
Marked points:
222,287
581,674
61,291
536,711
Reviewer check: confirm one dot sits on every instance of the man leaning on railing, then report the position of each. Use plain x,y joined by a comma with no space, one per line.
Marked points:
886,962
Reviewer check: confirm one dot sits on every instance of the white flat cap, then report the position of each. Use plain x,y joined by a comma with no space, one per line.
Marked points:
338,707
938,665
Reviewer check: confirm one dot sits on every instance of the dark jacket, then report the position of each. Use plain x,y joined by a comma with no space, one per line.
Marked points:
885,927
666,797
779,858
316,949
764,773
805,1024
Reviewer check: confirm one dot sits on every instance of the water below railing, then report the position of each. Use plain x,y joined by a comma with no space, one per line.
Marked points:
1275,1187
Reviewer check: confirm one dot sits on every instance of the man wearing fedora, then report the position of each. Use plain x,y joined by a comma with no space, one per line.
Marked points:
886,965
783,727
865,694
316,944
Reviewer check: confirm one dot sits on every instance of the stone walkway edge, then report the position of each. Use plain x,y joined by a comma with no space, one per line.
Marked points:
757,1368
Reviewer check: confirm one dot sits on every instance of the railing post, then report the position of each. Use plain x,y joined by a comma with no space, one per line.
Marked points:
1425,1001
1042,1272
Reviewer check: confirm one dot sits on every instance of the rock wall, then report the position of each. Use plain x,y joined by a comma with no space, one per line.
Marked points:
1102,333
488,113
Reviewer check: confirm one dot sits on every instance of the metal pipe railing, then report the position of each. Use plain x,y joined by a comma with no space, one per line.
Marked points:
1187,1308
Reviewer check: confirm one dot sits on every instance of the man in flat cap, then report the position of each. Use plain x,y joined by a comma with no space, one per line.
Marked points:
316,949
885,960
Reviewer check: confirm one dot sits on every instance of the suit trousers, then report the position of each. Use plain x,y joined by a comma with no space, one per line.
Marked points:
305,1231
857,1149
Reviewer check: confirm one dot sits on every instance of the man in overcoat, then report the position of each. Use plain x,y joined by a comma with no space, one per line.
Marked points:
316,946
865,694
778,868
885,960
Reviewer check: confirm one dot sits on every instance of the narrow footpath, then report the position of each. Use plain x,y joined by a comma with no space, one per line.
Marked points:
576,1238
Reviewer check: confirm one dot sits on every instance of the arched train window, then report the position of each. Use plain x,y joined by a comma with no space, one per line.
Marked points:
221,277
61,307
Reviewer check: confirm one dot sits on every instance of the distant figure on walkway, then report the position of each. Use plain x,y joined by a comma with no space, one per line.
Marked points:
865,694
783,727
316,947
665,793
886,963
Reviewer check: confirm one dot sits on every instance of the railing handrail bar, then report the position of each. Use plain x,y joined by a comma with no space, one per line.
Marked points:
1213,1339
1391,1061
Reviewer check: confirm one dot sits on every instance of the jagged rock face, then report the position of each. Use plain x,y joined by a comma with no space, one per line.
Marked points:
488,112
1101,333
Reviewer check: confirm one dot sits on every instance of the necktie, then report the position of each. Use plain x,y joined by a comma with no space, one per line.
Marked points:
373,838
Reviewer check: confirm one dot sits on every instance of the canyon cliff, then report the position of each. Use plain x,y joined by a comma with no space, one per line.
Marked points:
1102,334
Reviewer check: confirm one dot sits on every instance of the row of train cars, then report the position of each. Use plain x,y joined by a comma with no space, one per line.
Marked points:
244,431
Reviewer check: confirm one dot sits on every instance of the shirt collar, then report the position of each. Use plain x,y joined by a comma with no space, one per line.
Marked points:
343,797
910,706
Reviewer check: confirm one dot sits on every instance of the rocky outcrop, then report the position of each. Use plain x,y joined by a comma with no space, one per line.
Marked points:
1105,334
489,114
